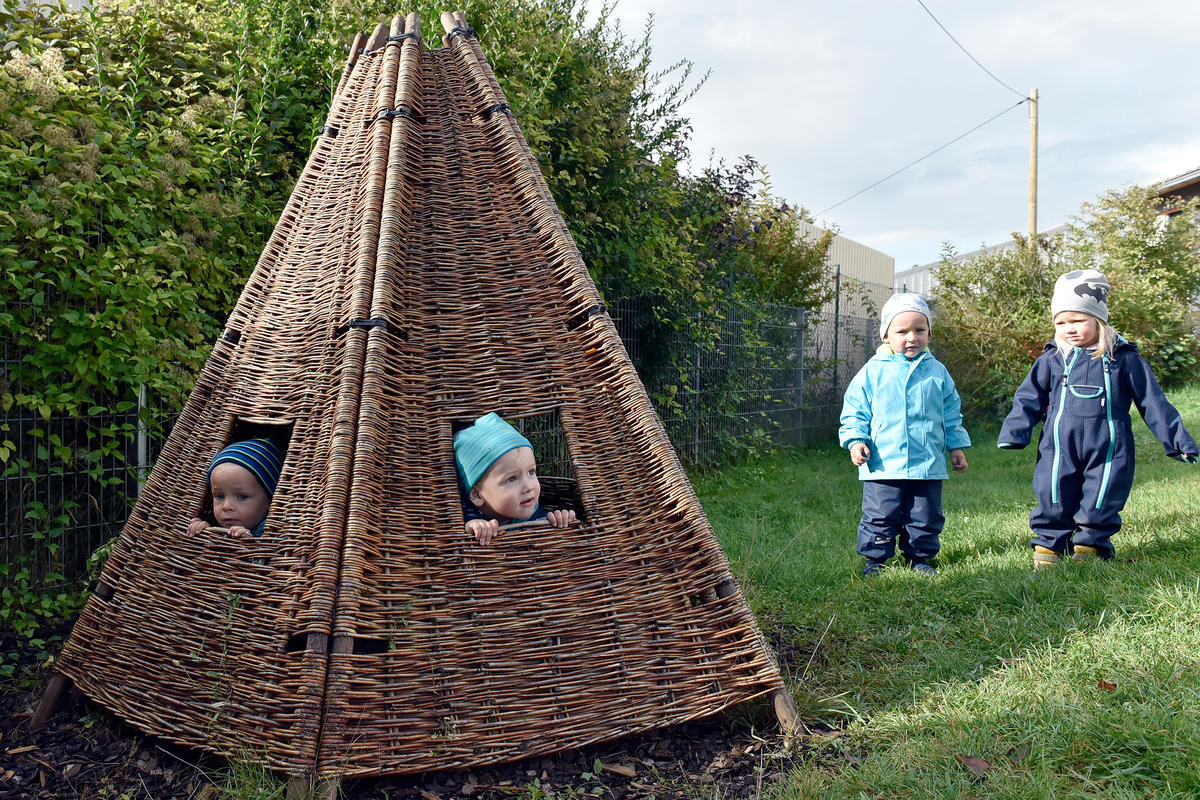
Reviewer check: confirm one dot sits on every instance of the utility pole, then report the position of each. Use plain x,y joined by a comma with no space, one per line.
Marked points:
1033,153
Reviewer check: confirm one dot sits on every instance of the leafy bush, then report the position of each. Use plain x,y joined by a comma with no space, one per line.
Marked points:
993,318
1153,263
994,309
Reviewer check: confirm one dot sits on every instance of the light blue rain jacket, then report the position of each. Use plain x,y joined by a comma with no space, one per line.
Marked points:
908,413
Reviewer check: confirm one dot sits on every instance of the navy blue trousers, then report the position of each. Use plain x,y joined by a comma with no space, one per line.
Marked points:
1075,519
1081,515
904,512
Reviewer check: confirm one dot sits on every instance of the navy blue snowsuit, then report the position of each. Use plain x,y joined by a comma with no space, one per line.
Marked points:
1085,460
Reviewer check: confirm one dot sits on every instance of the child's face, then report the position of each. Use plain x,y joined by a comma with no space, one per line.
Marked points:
1076,328
510,489
238,497
909,333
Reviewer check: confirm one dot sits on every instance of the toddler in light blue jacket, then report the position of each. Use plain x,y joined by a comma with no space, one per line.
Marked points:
900,416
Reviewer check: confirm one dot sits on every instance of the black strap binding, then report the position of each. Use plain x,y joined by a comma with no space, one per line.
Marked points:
392,113
375,322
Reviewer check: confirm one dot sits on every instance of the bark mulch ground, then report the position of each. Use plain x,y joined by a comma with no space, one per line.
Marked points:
85,752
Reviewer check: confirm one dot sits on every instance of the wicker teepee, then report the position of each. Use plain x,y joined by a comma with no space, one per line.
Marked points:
419,277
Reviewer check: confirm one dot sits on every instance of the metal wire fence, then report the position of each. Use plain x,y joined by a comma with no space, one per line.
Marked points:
69,483
743,379
763,376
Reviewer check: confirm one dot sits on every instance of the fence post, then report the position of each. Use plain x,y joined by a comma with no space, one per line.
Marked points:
837,322
696,396
143,440
799,439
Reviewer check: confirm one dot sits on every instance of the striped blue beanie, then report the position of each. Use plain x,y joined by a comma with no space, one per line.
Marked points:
260,456
476,448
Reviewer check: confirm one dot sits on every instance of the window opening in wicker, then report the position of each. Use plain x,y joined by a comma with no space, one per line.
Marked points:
419,276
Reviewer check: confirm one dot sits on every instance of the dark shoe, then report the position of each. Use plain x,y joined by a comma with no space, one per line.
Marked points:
873,568
923,567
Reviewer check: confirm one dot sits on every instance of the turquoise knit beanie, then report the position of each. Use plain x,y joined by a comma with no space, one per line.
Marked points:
477,447
260,456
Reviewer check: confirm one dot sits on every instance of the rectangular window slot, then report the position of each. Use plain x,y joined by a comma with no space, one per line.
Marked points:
579,319
304,642
560,488
277,429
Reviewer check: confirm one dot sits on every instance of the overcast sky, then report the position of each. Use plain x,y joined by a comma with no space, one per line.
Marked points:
832,96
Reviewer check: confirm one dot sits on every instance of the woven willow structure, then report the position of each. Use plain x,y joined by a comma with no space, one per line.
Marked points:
419,277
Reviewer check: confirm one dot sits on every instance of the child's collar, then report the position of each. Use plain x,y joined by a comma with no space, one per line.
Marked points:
1113,340
885,349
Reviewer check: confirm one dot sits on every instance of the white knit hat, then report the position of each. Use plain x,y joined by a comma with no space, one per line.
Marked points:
1084,290
898,304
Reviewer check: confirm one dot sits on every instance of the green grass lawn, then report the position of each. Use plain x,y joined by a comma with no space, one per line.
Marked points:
1078,681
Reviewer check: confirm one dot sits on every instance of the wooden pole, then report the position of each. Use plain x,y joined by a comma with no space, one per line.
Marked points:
785,712
1033,166
58,686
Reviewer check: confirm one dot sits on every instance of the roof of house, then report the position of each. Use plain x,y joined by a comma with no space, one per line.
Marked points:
1181,181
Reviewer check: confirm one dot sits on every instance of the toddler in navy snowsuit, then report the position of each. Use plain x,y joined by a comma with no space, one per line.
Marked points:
1082,386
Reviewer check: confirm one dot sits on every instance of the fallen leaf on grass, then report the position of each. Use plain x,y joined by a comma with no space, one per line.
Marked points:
620,769
1020,754
977,765
1107,686
720,762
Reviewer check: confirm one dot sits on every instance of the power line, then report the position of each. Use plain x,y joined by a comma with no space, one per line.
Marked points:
1022,101
960,47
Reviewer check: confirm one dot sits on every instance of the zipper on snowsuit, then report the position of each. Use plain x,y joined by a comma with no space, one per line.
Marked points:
1062,402
1112,434
1112,439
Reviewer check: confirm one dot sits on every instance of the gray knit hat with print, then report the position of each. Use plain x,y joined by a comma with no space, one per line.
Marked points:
1084,290
898,304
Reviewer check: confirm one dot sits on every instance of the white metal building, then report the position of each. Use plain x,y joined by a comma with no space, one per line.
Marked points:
857,262
923,281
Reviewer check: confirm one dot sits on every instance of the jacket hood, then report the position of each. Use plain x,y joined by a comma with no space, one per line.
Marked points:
1120,343
885,349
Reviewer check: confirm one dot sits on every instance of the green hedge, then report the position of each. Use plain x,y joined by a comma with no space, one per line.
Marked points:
146,150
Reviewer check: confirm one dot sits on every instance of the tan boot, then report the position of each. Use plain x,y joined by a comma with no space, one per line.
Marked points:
1084,552
1044,557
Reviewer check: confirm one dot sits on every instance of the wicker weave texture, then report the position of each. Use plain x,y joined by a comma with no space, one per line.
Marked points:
419,277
